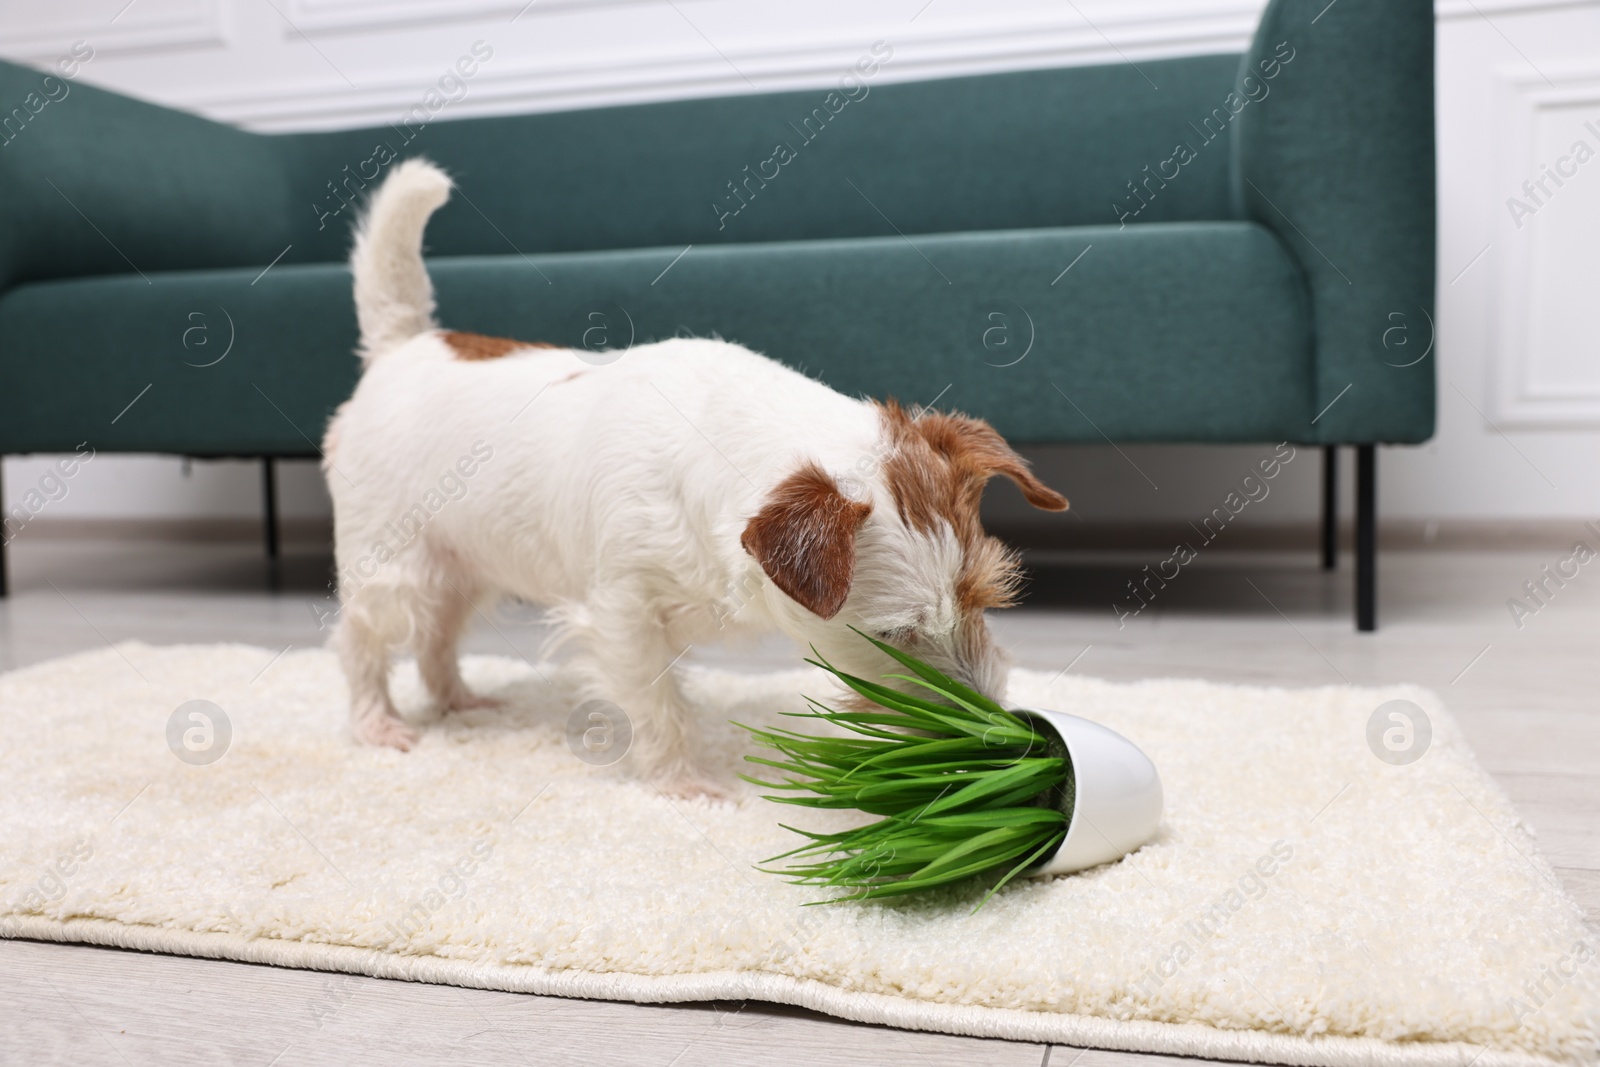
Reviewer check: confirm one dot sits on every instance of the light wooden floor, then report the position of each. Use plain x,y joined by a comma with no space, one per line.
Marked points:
1529,700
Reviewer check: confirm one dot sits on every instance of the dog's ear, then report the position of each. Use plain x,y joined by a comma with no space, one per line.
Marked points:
978,448
804,537
1006,462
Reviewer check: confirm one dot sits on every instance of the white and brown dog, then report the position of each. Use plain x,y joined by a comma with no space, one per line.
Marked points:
689,489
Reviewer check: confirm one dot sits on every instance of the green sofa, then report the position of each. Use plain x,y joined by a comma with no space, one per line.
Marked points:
1244,234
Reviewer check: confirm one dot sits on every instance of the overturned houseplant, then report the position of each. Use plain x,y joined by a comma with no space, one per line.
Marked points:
964,788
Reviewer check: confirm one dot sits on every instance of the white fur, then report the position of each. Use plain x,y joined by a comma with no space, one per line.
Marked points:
615,494
394,297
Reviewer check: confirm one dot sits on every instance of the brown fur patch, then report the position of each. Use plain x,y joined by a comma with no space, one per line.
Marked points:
937,471
804,537
476,346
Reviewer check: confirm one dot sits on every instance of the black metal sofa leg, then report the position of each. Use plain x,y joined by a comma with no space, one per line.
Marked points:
1366,538
1330,507
269,516
5,536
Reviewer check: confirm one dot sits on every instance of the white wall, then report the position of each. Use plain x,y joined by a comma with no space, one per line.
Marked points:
1517,349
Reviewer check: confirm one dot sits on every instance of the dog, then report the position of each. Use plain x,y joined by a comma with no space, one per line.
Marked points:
690,489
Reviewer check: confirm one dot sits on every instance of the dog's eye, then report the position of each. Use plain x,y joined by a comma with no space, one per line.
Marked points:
898,633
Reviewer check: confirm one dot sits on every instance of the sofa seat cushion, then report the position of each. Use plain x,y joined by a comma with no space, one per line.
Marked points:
1157,332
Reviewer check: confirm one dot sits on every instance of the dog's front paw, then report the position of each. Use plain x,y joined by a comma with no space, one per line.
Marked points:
386,730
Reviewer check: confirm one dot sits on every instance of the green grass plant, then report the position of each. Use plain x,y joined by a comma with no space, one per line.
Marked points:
963,788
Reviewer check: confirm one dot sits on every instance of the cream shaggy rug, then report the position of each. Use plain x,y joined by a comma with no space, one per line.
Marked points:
1305,903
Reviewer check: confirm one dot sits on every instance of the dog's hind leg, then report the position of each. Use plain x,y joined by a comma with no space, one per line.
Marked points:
438,627
363,648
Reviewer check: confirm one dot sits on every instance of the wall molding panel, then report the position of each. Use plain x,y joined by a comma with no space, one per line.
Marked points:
330,17
1547,373
110,28
1479,9
291,72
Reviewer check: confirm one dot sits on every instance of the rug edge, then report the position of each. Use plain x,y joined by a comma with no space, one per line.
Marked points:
1179,1039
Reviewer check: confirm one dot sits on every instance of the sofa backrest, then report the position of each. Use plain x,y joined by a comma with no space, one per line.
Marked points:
94,182
1339,161
864,158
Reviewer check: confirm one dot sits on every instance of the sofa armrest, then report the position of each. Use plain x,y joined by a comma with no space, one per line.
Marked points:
1338,159
96,183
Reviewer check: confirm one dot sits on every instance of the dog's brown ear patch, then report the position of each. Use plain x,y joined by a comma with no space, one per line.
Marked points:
476,346
978,450
936,471
804,537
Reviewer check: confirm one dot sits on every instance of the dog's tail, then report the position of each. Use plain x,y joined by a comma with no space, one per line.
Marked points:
394,298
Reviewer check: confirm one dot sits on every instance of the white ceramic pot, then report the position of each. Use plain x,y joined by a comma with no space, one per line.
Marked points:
1117,802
